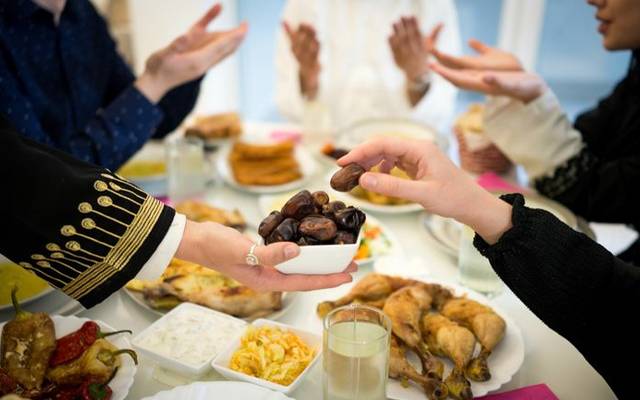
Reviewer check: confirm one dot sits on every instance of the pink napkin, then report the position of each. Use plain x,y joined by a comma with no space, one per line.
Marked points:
535,392
286,135
493,182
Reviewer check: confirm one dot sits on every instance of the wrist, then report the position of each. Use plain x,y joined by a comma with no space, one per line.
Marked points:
309,83
192,245
151,87
489,216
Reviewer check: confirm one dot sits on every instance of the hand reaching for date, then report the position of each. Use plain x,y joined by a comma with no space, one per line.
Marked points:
437,184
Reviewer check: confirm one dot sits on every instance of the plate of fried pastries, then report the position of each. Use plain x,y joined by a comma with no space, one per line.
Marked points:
265,167
471,346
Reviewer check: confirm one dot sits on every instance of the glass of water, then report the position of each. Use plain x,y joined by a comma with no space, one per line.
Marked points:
186,167
474,270
355,360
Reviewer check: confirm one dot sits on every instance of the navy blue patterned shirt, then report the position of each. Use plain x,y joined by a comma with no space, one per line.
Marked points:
66,86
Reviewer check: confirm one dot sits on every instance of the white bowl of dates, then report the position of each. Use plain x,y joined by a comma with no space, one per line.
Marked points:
327,231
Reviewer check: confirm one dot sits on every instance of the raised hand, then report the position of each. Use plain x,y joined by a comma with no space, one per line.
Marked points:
189,56
520,85
487,58
410,49
306,48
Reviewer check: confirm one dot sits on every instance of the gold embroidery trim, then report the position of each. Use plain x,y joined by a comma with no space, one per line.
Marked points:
127,246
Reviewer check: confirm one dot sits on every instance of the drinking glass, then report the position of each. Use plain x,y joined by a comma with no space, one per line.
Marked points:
474,270
356,340
187,176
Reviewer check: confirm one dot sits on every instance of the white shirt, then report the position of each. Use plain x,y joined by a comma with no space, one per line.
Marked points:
539,135
359,78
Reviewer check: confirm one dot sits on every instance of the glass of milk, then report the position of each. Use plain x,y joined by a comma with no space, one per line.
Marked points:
355,361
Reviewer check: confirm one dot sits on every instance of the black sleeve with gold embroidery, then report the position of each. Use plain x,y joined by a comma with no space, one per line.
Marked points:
82,228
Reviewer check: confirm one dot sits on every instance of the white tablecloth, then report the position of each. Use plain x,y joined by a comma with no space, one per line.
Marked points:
549,358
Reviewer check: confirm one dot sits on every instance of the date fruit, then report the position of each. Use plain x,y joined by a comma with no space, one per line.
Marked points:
311,219
299,206
320,198
287,231
270,223
350,219
320,228
344,237
347,178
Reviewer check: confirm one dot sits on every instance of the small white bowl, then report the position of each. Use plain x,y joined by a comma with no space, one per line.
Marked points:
321,259
221,362
174,364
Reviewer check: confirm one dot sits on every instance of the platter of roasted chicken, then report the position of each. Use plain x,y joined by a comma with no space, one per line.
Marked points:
447,342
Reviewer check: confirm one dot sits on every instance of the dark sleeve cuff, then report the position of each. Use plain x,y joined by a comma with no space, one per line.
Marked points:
520,230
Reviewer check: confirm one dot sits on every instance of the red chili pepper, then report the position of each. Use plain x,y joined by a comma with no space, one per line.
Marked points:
92,390
73,345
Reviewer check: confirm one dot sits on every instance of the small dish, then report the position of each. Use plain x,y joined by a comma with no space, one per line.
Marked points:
221,362
180,317
321,259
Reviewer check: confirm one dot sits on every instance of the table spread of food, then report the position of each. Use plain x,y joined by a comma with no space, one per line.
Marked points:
443,341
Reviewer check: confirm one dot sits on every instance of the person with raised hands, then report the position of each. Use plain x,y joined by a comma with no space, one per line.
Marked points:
591,166
574,285
64,84
340,62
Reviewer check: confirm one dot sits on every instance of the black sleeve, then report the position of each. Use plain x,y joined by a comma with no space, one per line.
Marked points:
80,227
575,286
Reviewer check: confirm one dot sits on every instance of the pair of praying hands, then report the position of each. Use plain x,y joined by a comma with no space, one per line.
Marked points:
409,47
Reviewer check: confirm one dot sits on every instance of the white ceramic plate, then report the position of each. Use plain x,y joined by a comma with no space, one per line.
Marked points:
306,161
268,203
123,380
215,390
504,361
288,299
445,232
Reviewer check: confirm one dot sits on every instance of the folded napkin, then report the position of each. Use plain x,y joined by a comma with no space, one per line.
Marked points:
535,392
493,182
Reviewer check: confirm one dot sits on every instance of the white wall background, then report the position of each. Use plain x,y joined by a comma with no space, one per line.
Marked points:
154,24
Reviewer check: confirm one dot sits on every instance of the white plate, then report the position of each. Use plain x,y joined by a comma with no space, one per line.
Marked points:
445,232
268,203
305,160
123,380
504,362
221,362
215,390
288,299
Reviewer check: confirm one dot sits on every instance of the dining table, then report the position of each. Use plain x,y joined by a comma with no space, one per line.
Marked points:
548,358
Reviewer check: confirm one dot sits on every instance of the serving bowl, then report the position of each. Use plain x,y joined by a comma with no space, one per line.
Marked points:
221,362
